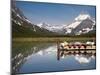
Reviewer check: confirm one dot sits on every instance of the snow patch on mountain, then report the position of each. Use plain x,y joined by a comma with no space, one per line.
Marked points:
19,16
82,17
28,21
74,24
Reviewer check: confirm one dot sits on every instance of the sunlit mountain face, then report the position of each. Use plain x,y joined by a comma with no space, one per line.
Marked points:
84,23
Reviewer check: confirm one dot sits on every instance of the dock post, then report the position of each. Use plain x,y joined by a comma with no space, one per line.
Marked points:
58,51
58,54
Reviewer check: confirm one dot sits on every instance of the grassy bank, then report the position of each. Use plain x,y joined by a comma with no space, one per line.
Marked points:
52,39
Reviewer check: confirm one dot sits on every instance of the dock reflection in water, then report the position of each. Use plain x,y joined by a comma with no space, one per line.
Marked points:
44,57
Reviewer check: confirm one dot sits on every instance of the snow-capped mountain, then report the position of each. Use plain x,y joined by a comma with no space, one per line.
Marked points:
84,23
22,26
53,28
17,13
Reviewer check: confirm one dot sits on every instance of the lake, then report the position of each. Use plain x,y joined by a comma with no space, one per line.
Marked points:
29,57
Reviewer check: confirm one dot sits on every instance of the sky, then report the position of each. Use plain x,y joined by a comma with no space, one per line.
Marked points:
53,13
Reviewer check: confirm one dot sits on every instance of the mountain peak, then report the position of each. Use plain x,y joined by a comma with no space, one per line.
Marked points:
83,24
42,24
82,17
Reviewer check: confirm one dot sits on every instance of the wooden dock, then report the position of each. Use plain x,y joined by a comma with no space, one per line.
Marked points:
75,49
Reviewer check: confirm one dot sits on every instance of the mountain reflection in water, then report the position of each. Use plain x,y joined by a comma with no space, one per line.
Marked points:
42,57
84,59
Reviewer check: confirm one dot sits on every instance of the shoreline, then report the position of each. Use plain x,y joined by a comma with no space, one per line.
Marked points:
51,39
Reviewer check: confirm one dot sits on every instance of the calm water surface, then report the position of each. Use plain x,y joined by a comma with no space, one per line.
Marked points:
42,57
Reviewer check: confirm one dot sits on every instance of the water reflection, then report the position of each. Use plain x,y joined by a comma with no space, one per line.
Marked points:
30,57
83,58
23,51
48,50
